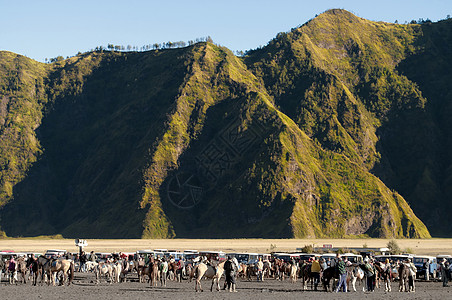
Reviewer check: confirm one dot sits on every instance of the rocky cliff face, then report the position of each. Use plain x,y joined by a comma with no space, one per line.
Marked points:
325,132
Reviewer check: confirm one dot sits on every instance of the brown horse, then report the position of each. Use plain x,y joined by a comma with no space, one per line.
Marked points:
21,268
385,275
404,274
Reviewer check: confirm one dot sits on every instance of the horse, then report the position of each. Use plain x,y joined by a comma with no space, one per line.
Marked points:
21,268
209,272
404,274
267,269
243,271
90,266
354,273
190,271
35,270
293,273
104,268
53,266
153,272
385,275
306,275
251,270
172,270
328,274
116,271
126,267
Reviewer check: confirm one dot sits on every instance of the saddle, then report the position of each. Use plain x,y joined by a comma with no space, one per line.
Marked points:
53,264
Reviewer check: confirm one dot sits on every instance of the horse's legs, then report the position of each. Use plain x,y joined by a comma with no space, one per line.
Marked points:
354,283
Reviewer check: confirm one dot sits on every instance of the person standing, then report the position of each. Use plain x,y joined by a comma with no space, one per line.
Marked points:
427,269
229,270
163,271
315,270
260,270
342,275
370,274
93,257
82,267
444,274
2,266
12,270
412,277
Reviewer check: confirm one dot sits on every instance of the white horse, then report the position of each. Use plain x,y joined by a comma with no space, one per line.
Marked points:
90,266
104,269
293,273
355,273
116,271
208,271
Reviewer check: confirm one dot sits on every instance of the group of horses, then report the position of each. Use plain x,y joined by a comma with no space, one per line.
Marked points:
46,269
61,271
356,272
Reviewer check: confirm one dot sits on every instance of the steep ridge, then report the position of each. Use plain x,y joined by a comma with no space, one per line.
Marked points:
344,81
97,134
196,142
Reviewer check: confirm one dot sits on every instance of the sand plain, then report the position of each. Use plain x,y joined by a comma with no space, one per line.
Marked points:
432,246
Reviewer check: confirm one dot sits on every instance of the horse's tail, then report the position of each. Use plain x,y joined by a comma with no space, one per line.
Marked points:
71,269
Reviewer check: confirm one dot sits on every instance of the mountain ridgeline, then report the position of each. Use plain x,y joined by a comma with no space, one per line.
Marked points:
341,127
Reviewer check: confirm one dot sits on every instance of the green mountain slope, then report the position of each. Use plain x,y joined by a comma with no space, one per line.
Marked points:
306,137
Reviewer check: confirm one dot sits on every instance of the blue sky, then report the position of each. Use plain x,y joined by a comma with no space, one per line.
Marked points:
43,29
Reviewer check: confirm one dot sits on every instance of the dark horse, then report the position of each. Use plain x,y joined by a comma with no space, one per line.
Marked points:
328,274
35,269
306,275
385,275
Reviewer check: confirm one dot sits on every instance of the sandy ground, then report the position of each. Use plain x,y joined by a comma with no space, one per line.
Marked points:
83,287
416,246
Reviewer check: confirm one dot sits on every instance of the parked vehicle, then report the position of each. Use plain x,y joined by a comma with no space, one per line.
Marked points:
420,262
214,255
245,258
55,253
353,258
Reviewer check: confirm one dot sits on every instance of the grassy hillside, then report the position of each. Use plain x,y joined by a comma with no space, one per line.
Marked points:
315,135
344,81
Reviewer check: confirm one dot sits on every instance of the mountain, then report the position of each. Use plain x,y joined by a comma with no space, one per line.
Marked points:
337,128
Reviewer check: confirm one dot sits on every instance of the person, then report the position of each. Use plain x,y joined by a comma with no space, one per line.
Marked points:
315,270
83,259
93,257
342,275
333,262
323,263
260,270
427,269
30,262
12,270
370,274
2,266
229,270
181,268
413,271
387,265
444,274
163,271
